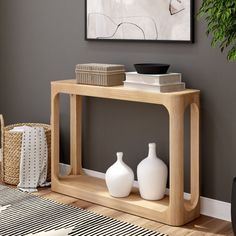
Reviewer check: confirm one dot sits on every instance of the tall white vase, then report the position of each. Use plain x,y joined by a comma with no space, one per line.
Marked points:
152,176
119,178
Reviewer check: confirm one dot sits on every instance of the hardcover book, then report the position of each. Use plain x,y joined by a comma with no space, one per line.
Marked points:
164,88
153,78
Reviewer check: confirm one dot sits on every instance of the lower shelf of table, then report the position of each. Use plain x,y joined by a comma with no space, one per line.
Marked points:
94,190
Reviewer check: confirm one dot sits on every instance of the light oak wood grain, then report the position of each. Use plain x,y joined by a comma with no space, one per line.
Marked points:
76,134
172,210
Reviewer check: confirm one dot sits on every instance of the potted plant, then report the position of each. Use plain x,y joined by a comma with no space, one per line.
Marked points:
221,19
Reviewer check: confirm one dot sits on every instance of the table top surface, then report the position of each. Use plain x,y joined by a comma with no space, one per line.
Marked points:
69,84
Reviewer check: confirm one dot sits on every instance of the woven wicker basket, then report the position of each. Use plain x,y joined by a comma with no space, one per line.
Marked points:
11,151
100,74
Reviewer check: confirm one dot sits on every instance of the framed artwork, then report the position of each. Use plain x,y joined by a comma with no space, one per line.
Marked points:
139,20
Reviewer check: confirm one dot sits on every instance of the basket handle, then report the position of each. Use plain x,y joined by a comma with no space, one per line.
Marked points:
1,154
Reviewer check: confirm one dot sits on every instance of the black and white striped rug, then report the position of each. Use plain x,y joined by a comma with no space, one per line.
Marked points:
25,214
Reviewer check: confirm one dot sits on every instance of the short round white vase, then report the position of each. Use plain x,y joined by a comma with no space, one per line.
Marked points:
119,178
152,176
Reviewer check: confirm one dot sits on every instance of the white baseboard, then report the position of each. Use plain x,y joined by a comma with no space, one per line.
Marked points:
209,207
215,208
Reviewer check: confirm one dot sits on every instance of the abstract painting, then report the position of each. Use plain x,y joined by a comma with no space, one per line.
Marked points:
154,20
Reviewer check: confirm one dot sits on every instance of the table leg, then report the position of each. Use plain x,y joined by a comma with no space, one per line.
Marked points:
176,165
195,169
76,133
55,135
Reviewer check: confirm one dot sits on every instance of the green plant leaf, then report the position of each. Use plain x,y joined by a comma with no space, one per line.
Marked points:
220,16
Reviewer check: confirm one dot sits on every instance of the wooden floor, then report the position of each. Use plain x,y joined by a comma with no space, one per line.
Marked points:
202,226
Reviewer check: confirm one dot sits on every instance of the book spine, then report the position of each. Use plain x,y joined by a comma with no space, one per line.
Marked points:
158,88
151,80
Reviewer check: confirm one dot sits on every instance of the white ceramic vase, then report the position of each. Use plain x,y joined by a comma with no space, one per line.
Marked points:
152,176
119,178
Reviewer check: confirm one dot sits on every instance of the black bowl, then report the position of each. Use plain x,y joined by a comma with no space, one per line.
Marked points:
151,68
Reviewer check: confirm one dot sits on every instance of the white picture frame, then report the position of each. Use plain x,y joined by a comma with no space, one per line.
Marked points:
138,20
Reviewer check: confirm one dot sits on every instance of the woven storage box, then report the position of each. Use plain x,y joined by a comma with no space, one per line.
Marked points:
11,151
100,74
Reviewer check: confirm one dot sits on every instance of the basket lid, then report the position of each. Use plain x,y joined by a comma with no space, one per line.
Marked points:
100,67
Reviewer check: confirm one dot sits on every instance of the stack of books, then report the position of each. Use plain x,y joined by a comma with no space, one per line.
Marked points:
163,83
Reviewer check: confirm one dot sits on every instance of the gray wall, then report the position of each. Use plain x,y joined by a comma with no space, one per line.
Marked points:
43,40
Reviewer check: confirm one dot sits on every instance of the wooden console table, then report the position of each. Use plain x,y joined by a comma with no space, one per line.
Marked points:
173,209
